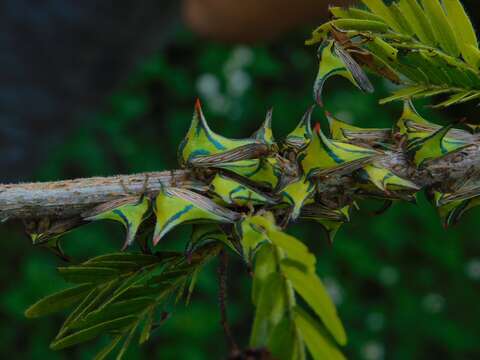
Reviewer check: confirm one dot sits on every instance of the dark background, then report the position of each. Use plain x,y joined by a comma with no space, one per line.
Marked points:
405,287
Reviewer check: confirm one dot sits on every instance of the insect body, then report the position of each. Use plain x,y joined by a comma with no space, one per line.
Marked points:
434,146
265,133
130,211
465,196
330,219
204,148
264,172
48,234
385,179
203,234
342,131
301,136
324,156
413,128
174,206
227,191
296,195
252,232
335,60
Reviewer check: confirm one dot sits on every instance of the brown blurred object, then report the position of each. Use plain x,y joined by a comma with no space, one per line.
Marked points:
252,20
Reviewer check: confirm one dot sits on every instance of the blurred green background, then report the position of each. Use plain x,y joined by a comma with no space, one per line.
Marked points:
405,287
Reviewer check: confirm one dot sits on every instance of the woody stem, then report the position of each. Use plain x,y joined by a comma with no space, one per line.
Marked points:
69,198
222,299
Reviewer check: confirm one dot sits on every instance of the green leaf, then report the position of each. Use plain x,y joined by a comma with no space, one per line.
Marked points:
285,343
441,27
191,286
361,25
113,311
87,274
147,326
146,289
127,342
317,340
460,97
121,266
58,301
91,332
270,309
294,249
128,283
312,290
400,18
265,264
463,29
422,51
418,20
102,354
92,300
354,13
137,258
379,8
404,93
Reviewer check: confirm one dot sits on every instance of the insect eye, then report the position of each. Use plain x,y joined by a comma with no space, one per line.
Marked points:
458,158
397,168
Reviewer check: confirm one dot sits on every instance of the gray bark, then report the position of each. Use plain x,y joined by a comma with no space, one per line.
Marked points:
68,198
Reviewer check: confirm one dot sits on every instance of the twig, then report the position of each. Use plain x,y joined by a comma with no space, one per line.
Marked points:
222,299
69,198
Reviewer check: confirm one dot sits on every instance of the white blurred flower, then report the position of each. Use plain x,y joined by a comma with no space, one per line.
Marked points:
240,57
388,275
472,269
334,290
375,321
433,303
243,56
208,85
238,82
219,104
373,351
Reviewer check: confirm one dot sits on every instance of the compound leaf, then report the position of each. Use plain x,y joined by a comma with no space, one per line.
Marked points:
58,301
312,290
317,341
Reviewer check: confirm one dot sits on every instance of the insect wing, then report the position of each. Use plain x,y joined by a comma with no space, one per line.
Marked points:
355,70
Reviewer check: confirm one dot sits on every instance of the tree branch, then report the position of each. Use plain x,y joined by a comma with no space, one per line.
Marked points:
68,198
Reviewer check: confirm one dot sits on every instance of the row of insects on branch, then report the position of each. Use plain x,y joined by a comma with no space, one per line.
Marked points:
307,176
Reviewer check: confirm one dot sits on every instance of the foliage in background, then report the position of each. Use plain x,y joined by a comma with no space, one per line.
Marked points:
430,46
390,280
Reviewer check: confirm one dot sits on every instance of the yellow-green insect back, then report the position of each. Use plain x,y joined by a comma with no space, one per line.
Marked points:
174,206
129,211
